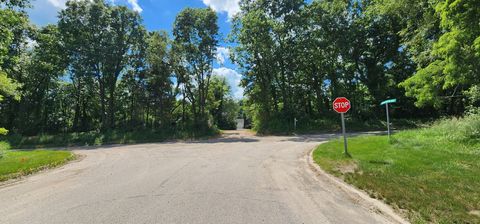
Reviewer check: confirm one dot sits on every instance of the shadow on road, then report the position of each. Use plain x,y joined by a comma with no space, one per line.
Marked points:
310,138
240,136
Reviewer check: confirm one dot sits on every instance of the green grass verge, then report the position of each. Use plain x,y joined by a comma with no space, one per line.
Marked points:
95,138
18,163
433,174
329,125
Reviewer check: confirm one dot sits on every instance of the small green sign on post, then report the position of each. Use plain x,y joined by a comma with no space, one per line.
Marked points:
386,102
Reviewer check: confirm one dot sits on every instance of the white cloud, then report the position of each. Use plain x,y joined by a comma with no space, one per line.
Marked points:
222,55
233,79
135,5
229,6
58,3
46,11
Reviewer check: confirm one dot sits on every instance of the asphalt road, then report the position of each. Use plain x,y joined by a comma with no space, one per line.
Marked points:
235,179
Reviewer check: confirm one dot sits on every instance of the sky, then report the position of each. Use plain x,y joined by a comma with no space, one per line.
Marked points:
160,15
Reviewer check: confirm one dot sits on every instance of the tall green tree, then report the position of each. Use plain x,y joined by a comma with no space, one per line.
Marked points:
254,55
14,29
8,87
159,83
102,42
455,64
44,66
195,42
297,57
222,106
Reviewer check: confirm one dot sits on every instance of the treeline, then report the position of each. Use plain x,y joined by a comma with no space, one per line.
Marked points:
100,69
297,56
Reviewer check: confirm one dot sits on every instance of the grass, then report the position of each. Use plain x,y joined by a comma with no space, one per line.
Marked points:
357,125
14,164
96,138
329,125
431,174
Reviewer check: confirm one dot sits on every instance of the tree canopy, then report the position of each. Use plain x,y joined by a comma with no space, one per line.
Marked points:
99,69
298,56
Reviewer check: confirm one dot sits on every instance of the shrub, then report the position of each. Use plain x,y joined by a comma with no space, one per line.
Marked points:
3,147
460,130
3,131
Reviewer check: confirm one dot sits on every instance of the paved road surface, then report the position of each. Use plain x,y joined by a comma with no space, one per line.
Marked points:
235,179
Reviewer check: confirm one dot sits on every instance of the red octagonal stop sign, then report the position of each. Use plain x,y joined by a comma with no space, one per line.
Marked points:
341,105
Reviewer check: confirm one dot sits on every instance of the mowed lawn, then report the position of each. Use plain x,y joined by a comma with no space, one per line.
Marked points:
432,175
17,163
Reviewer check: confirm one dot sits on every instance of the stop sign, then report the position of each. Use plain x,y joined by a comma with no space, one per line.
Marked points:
341,105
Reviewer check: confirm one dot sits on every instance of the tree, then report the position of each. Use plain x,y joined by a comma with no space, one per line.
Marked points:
102,42
255,57
13,29
297,57
159,83
195,43
222,106
455,67
43,67
98,68
8,87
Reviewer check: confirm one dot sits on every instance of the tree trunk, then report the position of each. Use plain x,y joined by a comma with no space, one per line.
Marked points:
111,105
102,103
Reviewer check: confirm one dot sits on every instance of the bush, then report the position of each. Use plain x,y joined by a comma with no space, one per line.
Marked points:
280,125
3,131
448,131
473,100
4,146
460,130
95,138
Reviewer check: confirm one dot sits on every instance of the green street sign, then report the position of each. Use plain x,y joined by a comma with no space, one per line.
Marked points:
388,101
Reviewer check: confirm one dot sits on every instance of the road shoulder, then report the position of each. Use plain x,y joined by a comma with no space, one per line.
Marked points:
355,194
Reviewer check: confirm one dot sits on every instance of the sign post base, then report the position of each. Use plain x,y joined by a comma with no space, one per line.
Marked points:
345,143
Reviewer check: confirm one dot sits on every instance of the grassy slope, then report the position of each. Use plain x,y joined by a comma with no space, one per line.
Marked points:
433,173
17,163
333,124
99,138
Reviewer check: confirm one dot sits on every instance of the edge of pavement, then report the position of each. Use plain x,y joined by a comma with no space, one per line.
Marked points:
357,195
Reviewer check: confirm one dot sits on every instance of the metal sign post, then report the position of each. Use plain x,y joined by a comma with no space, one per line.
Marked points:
344,132
388,121
295,124
342,105
386,102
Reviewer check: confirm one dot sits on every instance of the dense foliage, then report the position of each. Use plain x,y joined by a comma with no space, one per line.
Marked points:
297,56
100,70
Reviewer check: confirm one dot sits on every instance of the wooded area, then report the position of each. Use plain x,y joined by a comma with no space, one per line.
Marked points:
297,57
100,69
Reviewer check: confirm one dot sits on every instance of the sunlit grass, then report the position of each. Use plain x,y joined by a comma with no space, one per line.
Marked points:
17,163
433,173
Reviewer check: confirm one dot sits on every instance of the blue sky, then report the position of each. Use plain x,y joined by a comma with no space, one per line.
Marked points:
160,15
